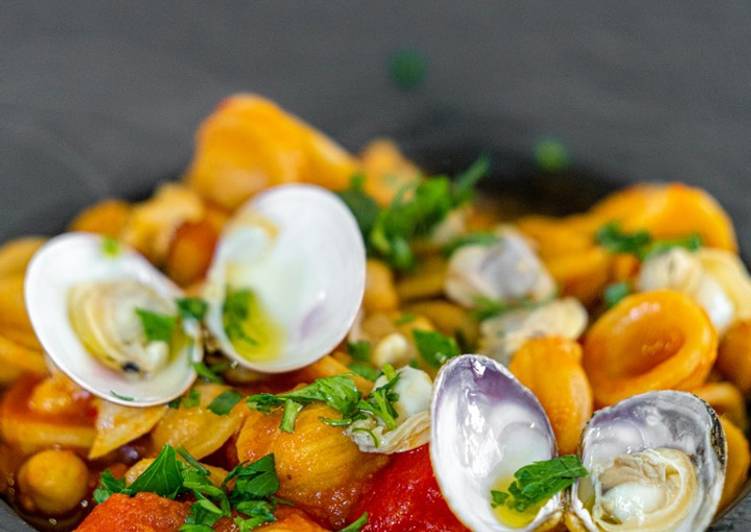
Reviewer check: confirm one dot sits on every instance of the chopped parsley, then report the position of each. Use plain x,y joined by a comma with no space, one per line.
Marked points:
406,317
486,308
116,395
356,525
538,481
206,373
470,239
157,327
252,498
364,370
363,207
434,347
415,211
551,155
224,402
408,69
615,292
192,308
340,394
192,399
111,246
235,313
641,243
359,350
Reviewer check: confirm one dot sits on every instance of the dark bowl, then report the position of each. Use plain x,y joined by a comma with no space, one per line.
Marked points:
101,100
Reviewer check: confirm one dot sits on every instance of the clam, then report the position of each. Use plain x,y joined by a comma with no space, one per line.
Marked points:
656,462
505,271
681,270
503,335
91,302
486,425
287,279
415,390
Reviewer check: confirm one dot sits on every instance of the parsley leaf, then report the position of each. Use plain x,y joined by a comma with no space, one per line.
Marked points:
539,481
615,292
111,246
192,307
359,350
486,308
498,498
224,402
363,207
157,327
408,69
364,370
611,237
641,243
434,347
356,526
691,243
206,373
406,317
551,155
339,393
108,485
235,313
465,182
163,476
191,399
256,480
470,239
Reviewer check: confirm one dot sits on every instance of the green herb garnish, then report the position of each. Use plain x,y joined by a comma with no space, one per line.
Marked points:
192,307
641,243
434,347
406,317
340,394
192,399
538,481
359,350
356,526
251,498
116,395
615,292
157,327
551,155
364,370
470,239
224,402
111,246
486,308
206,373
235,313
498,498
363,207
408,69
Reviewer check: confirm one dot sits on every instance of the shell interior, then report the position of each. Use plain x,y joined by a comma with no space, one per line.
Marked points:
299,251
74,259
486,425
654,420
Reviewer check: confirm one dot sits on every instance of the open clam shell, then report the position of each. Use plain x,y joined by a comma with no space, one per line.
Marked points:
655,420
486,425
74,260
297,251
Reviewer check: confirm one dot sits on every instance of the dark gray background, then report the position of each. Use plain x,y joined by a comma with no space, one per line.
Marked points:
102,98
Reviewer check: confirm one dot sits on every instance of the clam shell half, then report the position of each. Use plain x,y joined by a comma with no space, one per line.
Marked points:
654,420
486,425
74,259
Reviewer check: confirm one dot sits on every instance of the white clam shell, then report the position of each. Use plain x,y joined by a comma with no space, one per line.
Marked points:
310,276
74,258
486,425
676,420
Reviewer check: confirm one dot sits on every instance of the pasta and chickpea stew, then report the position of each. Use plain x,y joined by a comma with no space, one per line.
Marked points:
295,338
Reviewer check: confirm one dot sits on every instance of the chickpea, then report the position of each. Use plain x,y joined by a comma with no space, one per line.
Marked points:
52,482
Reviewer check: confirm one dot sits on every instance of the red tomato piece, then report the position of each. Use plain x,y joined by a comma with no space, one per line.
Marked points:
404,497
